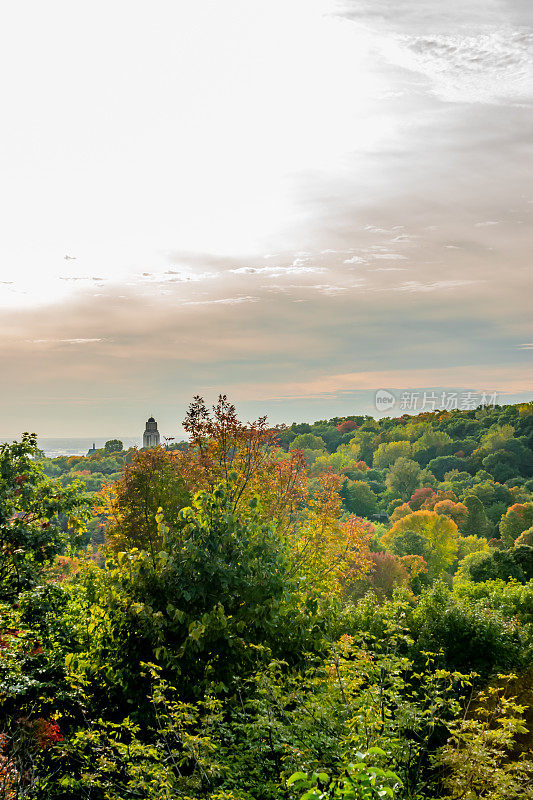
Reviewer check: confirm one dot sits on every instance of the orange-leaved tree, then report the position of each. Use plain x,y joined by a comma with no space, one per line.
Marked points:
244,458
151,480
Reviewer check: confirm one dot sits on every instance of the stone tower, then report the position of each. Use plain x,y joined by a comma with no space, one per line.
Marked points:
151,436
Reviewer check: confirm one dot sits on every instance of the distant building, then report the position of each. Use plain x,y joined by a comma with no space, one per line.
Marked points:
91,450
151,436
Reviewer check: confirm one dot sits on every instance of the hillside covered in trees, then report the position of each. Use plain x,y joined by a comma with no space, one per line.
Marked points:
327,610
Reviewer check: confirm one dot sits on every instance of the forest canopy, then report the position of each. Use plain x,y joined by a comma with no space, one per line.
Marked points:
326,610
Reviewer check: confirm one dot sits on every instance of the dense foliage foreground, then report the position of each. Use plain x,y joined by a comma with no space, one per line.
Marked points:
343,610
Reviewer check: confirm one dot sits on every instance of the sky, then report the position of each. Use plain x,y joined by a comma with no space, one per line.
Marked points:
295,203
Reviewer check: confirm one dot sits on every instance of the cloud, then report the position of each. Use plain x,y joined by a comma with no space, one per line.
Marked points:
223,301
389,256
66,341
476,52
490,67
390,269
418,286
278,272
475,377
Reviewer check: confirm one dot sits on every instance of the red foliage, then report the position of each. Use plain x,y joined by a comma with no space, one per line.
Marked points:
438,497
420,496
497,543
46,733
244,457
40,733
415,565
388,571
346,426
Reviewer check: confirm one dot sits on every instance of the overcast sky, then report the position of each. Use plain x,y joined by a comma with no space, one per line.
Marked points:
296,202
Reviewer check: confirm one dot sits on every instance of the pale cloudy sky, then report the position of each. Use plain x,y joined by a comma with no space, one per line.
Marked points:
296,202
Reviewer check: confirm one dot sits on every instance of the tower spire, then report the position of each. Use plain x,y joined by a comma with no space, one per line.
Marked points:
151,437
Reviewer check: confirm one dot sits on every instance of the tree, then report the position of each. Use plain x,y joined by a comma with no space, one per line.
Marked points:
200,608
359,498
386,572
346,426
523,556
323,547
344,460
469,562
518,518
38,516
363,443
439,533
442,464
307,441
420,496
476,523
245,459
433,440
403,478
471,544
408,543
496,497
153,479
401,511
388,452
501,465
501,565
113,446
496,437
526,537
456,511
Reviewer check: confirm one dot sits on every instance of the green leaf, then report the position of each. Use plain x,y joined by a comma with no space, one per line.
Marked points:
376,751
297,777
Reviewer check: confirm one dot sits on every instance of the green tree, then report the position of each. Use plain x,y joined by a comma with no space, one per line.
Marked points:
307,441
433,440
518,518
476,522
38,516
403,478
500,565
408,543
359,498
388,452
442,464
472,560
471,544
496,437
113,446
496,497
201,608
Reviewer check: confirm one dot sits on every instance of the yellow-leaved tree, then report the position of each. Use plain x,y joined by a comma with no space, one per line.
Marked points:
440,535
328,550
